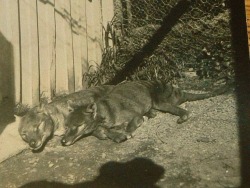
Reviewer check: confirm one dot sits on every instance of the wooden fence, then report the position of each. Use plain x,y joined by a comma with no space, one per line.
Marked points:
47,45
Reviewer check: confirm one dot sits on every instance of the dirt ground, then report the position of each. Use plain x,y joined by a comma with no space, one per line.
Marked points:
202,152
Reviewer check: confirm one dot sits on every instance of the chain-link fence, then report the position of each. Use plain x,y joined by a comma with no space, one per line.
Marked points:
199,41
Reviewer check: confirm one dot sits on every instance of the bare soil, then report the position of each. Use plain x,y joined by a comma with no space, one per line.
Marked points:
202,152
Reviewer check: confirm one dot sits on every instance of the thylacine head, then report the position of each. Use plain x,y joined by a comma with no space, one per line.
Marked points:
36,127
79,123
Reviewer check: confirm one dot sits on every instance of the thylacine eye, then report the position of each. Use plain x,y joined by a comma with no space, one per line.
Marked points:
35,129
41,126
24,136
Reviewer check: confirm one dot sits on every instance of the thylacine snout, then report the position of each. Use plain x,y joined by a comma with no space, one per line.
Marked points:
72,135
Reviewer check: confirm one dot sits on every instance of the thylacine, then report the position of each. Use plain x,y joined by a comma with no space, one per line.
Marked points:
40,123
120,113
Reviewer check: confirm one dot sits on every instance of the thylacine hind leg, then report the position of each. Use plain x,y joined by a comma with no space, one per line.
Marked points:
175,110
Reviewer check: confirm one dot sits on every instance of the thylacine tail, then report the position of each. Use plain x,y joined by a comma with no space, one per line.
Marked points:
194,97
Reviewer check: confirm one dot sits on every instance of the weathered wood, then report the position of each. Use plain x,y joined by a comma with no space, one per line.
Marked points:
94,33
70,56
46,33
79,29
107,15
29,52
64,56
49,45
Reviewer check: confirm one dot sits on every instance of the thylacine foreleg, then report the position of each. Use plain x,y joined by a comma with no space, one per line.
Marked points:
119,133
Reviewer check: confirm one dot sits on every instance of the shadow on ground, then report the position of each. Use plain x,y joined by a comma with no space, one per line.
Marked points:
242,71
139,172
6,114
7,89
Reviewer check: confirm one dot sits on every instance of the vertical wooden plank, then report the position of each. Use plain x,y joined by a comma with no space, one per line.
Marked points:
107,15
78,13
10,31
107,11
46,31
70,56
61,57
53,63
29,52
94,32
13,9
64,56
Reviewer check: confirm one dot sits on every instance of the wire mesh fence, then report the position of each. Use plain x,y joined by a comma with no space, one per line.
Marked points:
199,41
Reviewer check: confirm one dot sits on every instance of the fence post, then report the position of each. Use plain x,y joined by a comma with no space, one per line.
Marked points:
94,33
29,52
64,57
107,15
46,31
78,13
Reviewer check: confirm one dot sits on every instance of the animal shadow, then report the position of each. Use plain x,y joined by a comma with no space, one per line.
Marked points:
139,172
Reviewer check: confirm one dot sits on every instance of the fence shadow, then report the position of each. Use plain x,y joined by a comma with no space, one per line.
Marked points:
242,72
139,172
6,83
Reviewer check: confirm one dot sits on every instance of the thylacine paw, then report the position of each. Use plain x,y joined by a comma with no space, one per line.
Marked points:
120,138
183,119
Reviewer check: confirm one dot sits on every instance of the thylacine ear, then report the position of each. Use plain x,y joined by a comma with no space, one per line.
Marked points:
91,108
18,118
41,126
70,105
40,108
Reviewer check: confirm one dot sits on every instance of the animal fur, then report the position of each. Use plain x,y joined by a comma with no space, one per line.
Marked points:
120,113
39,124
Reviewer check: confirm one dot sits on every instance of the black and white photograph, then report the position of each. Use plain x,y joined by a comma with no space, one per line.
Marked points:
124,93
